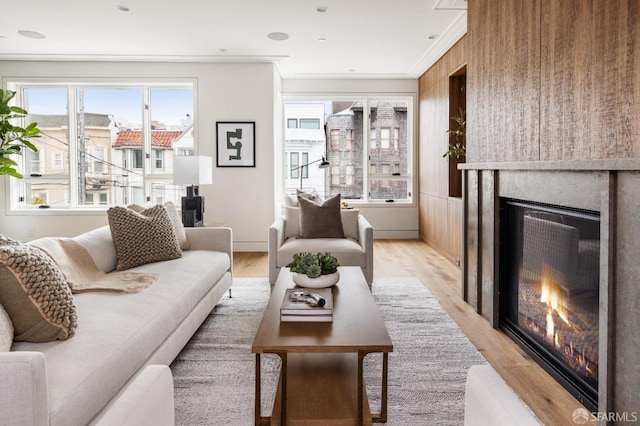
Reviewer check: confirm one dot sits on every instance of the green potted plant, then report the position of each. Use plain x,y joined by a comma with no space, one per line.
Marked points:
458,136
13,138
314,270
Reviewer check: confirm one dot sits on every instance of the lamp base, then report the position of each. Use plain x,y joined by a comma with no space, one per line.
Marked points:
192,209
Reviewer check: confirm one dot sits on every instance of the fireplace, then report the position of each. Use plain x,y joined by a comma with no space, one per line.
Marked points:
549,290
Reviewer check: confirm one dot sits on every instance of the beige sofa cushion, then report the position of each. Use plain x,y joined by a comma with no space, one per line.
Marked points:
144,237
35,294
6,331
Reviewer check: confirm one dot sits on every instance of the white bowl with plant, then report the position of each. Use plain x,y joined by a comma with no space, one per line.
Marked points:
318,270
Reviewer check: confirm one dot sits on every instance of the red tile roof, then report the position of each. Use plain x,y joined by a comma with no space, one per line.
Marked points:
159,138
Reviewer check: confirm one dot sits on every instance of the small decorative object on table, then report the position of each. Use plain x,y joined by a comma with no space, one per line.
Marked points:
318,270
302,305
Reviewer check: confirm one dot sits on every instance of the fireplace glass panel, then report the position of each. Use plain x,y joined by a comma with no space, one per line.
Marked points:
549,289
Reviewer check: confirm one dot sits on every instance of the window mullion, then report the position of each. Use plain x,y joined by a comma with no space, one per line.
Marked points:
366,147
72,118
146,141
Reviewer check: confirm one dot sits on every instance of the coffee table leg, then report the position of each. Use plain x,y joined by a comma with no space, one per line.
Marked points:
259,419
382,416
360,396
283,387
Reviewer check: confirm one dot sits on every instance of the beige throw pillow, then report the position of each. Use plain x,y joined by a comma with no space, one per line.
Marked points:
141,238
35,294
350,222
176,221
320,221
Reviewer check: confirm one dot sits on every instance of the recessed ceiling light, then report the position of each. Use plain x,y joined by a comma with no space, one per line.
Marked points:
433,36
122,8
322,9
278,36
322,39
31,34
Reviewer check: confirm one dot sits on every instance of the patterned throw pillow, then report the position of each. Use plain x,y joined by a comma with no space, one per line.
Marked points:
141,238
35,294
176,221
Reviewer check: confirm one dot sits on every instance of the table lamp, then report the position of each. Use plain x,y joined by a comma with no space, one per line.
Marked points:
192,171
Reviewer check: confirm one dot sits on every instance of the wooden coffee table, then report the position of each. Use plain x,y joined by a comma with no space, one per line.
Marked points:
321,375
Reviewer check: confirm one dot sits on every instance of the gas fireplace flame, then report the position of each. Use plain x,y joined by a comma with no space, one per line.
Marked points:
555,298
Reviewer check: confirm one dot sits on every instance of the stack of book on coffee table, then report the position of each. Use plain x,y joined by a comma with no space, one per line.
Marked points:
301,305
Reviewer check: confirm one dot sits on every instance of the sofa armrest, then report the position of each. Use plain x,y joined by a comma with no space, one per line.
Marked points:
365,238
490,401
147,401
276,239
23,389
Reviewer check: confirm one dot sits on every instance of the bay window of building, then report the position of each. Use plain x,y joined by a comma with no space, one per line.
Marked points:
369,143
102,142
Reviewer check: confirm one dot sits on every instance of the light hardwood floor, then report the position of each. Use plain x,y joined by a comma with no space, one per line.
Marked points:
413,258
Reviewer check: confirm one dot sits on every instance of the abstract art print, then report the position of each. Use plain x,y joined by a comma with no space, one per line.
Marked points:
236,144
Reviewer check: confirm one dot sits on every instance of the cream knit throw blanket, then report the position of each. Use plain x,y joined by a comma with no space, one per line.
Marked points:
82,274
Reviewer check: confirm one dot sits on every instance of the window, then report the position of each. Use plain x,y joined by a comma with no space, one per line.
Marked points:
310,123
369,143
98,160
292,123
350,175
299,159
335,140
136,161
36,167
335,175
57,161
96,138
295,165
384,138
159,155
349,143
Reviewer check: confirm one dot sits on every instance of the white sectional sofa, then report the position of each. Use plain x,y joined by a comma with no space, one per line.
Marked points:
113,370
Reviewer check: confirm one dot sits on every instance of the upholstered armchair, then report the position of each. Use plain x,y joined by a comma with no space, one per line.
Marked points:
286,238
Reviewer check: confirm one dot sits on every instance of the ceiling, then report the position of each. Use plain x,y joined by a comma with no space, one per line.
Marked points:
362,38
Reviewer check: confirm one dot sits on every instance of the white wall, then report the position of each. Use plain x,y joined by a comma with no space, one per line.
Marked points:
241,198
388,220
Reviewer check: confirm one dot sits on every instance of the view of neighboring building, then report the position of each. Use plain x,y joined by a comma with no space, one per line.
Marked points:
109,160
128,154
50,165
335,130
304,143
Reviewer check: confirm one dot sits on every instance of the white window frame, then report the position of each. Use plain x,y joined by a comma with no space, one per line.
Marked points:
410,177
16,192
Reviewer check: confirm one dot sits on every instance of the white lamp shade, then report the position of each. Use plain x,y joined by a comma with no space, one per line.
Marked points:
192,170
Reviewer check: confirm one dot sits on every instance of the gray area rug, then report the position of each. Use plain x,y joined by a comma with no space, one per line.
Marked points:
214,373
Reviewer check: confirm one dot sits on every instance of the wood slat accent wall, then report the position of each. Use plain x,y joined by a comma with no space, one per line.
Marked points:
440,215
503,80
553,80
590,79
